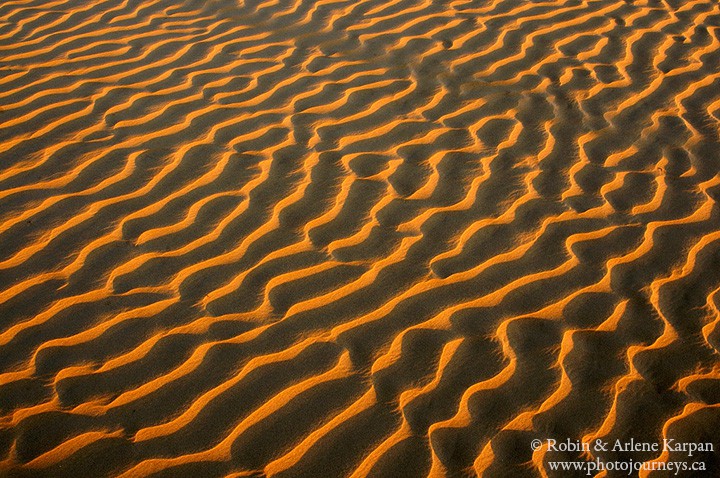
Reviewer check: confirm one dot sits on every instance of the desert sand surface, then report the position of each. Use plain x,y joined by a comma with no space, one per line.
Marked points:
356,238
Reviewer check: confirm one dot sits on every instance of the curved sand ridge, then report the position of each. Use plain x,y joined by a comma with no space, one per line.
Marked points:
355,238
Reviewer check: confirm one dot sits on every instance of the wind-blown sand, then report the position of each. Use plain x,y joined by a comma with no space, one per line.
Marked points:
355,238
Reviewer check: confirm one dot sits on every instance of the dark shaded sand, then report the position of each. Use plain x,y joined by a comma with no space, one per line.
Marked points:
356,238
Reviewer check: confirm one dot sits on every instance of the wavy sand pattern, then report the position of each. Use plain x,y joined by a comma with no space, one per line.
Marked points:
355,238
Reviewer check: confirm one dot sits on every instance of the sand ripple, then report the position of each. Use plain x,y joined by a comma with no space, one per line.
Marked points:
355,238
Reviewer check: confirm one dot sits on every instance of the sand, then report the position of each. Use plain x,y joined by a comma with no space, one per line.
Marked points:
333,238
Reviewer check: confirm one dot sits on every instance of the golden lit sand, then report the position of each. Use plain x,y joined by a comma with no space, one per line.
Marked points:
336,238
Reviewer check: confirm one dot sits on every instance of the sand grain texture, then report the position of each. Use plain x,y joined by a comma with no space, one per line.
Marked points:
355,238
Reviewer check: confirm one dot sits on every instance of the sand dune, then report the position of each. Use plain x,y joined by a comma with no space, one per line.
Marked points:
355,238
